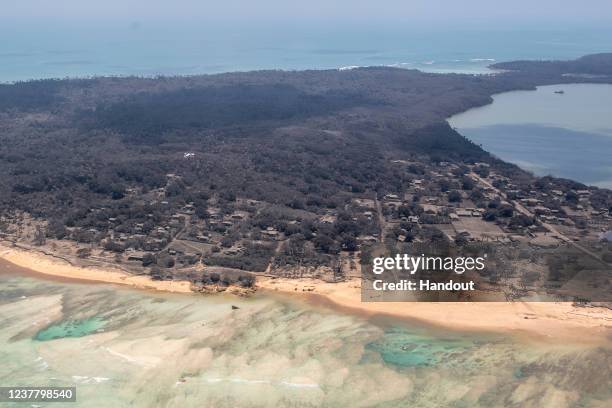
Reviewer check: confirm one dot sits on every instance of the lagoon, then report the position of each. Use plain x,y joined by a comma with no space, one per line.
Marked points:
565,134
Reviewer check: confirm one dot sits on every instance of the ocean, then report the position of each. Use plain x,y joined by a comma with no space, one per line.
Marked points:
47,49
123,347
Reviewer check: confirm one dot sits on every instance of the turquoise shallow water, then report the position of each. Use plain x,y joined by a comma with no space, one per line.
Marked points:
71,328
122,347
408,348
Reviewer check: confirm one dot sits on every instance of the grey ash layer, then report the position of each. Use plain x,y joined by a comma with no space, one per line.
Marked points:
290,173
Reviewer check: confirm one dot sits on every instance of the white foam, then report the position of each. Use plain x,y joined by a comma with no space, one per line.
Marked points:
398,64
348,68
83,379
42,364
127,358
299,385
242,380
245,381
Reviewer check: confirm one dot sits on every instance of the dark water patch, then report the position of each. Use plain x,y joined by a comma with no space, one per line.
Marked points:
519,373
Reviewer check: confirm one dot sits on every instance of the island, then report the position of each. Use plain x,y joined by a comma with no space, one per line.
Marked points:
290,180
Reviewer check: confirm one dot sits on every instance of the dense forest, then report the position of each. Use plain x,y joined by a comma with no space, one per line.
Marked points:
78,153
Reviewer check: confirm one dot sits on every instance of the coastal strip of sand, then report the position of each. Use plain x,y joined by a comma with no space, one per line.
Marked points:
549,321
39,263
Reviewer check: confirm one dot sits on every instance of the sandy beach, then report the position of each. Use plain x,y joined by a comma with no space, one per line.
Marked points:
547,321
59,268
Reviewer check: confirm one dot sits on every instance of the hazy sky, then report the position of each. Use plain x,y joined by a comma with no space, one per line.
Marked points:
421,11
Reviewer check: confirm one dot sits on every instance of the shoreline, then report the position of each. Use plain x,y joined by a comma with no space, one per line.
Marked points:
545,321
59,268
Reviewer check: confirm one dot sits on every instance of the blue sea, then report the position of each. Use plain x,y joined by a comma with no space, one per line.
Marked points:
47,49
